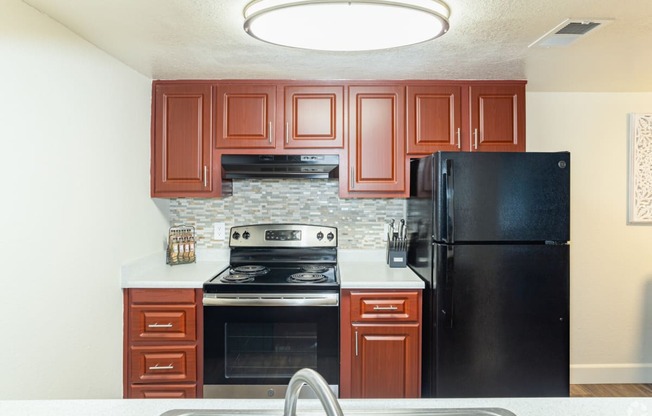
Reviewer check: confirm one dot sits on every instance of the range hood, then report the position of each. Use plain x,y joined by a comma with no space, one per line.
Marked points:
280,166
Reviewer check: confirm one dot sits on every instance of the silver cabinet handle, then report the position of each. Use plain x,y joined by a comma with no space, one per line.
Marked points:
459,141
356,343
205,176
475,136
287,133
385,308
352,178
270,132
157,325
162,367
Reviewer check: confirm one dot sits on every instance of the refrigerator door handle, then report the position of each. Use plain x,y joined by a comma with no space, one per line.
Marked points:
448,306
449,186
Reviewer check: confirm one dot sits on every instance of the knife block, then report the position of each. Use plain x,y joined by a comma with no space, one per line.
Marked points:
396,257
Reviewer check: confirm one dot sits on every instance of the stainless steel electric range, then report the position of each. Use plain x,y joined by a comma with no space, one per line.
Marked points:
273,311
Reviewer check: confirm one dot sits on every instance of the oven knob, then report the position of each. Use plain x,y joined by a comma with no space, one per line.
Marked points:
236,235
330,236
320,235
246,235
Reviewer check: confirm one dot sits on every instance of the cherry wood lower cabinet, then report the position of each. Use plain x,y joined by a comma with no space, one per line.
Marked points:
380,355
162,344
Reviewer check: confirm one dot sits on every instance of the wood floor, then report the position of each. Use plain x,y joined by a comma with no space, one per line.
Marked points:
611,390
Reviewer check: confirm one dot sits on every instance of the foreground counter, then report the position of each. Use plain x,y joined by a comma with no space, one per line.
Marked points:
153,407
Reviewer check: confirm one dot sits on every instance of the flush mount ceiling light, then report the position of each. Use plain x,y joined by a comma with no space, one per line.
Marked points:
338,25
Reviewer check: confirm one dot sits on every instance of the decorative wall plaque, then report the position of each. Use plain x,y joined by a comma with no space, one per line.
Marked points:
639,210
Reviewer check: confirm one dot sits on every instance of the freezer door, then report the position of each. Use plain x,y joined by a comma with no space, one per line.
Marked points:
501,197
502,321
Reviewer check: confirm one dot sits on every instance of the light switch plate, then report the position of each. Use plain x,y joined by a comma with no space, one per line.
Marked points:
219,231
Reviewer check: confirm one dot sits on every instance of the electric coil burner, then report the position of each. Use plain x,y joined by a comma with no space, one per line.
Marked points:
273,311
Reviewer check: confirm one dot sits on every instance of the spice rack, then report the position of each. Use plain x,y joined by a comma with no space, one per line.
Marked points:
181,245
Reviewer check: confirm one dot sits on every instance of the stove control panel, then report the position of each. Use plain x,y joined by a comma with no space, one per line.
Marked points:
283,235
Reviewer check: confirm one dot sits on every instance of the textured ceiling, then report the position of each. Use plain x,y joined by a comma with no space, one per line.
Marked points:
488,39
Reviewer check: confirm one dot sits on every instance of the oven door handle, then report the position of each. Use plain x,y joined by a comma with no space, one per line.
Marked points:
268,299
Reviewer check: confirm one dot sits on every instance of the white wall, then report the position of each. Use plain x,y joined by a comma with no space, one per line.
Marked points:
611,262
74,174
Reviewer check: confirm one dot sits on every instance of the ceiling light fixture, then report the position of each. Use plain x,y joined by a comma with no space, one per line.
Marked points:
340,25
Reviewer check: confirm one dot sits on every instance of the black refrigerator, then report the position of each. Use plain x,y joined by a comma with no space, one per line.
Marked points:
488,233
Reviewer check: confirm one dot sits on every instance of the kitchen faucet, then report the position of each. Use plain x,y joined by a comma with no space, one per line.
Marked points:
318,385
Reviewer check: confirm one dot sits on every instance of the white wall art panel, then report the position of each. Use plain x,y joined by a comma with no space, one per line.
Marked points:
640,169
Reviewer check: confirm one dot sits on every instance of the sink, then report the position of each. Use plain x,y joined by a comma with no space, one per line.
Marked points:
376,412
330,404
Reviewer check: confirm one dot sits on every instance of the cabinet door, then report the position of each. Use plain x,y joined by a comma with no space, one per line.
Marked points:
245,116
182,141
433,119
497,118
376,141
314,117
386,361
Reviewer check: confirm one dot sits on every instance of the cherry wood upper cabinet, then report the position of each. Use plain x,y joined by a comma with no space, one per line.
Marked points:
182,140
433,118
246,116
314,117
497,118
376,142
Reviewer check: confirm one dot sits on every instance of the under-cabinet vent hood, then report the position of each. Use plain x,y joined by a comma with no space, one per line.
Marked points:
280,166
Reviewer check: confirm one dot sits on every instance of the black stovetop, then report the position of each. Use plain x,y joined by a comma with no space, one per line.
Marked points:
249,278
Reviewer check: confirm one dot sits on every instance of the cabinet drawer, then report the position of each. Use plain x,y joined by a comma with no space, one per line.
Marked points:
163,391
384,306
156,364
162,322
166,296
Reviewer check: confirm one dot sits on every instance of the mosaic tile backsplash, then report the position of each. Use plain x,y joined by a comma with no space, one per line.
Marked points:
360,222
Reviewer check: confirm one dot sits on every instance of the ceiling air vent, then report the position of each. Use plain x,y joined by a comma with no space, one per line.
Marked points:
569,31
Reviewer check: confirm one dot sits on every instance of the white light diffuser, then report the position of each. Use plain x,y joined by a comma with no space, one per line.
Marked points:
346,25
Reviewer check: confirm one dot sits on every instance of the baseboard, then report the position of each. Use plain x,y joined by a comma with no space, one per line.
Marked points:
611,373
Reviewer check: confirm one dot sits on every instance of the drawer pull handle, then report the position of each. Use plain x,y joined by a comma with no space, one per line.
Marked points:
162,367
385,308
157,325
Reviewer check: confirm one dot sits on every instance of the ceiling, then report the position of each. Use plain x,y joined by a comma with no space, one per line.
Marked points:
488,39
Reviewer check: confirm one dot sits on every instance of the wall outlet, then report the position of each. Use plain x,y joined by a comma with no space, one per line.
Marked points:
219,231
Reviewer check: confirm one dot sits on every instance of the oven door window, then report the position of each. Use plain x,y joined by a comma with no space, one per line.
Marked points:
269,350
267,345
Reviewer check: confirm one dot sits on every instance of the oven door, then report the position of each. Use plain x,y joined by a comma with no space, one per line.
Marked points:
254,343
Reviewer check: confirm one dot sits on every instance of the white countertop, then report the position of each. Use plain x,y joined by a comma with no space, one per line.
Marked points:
152,271
367,269
153,407
359,269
